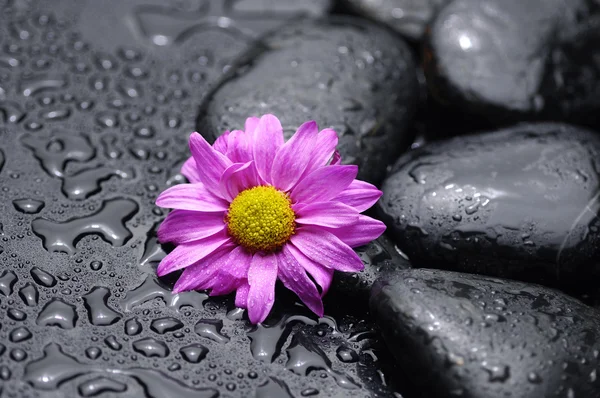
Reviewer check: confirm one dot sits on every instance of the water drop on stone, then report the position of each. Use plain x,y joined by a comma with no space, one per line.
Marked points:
42,277
58,313
194,353
28,206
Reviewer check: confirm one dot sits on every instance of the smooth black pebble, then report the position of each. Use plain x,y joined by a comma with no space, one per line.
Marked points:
462,335
342,72
520,203
517,60
407,17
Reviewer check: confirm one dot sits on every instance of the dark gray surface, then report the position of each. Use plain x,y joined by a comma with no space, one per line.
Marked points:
94,121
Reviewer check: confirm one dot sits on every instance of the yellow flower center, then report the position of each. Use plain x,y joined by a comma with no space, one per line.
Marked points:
261,219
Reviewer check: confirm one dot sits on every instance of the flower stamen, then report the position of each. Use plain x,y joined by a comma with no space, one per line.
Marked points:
261,219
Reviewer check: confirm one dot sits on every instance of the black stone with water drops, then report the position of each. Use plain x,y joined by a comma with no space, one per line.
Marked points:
463,335
513,60
94,120
518,203
408,17
341,72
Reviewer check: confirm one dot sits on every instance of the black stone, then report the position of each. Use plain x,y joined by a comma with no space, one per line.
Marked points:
407,17
467,336
520,203
516,60
342,72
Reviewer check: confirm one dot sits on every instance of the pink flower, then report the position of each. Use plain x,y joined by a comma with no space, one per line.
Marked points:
258,209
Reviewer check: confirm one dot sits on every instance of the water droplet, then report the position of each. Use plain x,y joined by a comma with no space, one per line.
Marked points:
108,222
309,392
42,277
37,84
86,183
16,315
107,119
18,355
145,132
211,329
93,352
496,372
346,354
29,294
305,356
96,303
151,347
534,378
133,327
56,114
164,325
57,151
5,373
150,290
19,334
194,353
56,367
112,343
7,281
58,313
100,385
96,265
28,206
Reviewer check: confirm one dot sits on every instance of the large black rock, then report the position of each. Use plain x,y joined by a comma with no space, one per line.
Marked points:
344,73
516,60
407,17
471,336
519,203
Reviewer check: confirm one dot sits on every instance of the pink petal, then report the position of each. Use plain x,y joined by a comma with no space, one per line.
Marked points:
239,149
222,142
322,275
360,194
326,249
250,125
191,197
337,158
236,178
261,278
361,233
210,163
324,184
222,284
294,277
182,226
189,171
294,156
187,254
197,273
327,140
231,267
241,296
267,138
326,214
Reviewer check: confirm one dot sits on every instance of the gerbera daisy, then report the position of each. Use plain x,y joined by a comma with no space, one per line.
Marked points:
258,209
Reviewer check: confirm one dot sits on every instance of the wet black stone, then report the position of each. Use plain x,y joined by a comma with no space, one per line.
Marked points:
516,60
407,17
344,73
465,335
519,203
